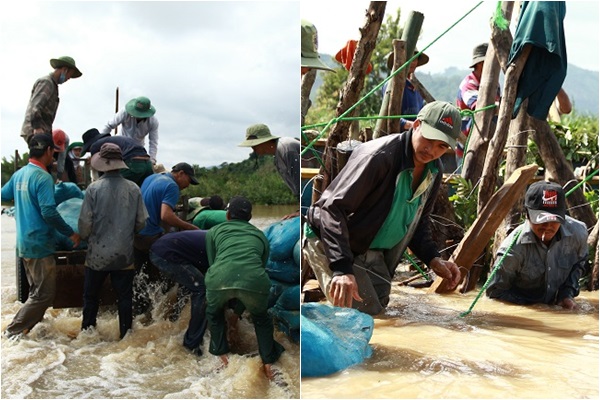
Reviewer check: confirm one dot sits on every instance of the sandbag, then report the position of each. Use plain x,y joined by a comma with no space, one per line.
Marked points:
283,270
296,254
282,237
290,299
67,190
69,210
333,338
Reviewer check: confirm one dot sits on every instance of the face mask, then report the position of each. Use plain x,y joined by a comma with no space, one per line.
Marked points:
62,78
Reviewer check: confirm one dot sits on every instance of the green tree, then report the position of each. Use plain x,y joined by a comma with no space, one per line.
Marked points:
8,167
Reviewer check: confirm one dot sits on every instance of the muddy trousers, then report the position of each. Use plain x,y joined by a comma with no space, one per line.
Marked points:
41,275
122,284
256,304
372,275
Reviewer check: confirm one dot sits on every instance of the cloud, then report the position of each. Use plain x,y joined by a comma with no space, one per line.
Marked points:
210,68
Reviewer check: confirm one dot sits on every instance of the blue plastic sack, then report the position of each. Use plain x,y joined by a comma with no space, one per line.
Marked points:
290,299
69,210
297,252
282,237
64,191
283,270
333,338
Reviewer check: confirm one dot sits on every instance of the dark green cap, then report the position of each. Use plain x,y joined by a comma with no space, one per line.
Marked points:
440,121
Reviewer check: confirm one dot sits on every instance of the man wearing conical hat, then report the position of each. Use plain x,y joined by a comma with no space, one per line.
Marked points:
137,121
43,102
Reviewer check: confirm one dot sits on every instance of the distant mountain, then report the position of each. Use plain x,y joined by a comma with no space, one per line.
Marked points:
580,84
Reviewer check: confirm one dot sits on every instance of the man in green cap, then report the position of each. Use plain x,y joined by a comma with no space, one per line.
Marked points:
43,102
286,151
310,58
377,206
137,121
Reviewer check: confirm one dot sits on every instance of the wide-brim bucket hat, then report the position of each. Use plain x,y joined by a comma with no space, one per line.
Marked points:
66,61
479,54
109,158
309,56
89,138
140,107
257,134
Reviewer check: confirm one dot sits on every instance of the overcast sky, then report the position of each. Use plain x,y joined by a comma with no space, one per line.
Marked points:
337,24
211,69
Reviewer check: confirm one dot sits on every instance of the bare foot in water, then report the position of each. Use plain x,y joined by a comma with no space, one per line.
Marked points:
224,359
268,371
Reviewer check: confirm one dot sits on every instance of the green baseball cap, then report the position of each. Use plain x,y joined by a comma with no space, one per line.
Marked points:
440,121
309,56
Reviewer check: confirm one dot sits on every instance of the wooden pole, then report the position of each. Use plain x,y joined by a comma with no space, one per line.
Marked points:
488,220
492,159
354,85
116,107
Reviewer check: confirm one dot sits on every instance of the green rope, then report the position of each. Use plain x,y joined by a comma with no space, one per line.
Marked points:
376,88
587,178
489,279
414,264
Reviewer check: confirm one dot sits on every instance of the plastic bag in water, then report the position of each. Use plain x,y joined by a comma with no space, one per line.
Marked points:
333,338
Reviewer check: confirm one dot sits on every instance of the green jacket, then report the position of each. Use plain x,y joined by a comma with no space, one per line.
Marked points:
237,253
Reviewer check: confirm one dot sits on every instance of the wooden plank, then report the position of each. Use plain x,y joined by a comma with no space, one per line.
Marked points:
488,220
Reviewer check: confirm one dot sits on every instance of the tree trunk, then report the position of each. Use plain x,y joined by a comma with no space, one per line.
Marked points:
354,85
515,158
396,85
308,80
484,126
492,159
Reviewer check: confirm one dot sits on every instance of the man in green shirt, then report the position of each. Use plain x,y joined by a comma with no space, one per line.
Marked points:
237,253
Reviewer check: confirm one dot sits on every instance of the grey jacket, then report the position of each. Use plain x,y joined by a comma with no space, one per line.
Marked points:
533,273
112,211
355,205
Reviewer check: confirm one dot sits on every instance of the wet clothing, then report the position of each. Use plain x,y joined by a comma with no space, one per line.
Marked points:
111,213
42,107
181,257
138,131
122,284
32,190
237,252
535,273
287,162
134,155
156,190
207,218
41,276
354,207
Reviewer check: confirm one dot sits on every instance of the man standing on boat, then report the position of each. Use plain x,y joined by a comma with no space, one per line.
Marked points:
32,190
137,121
43,102
376,207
